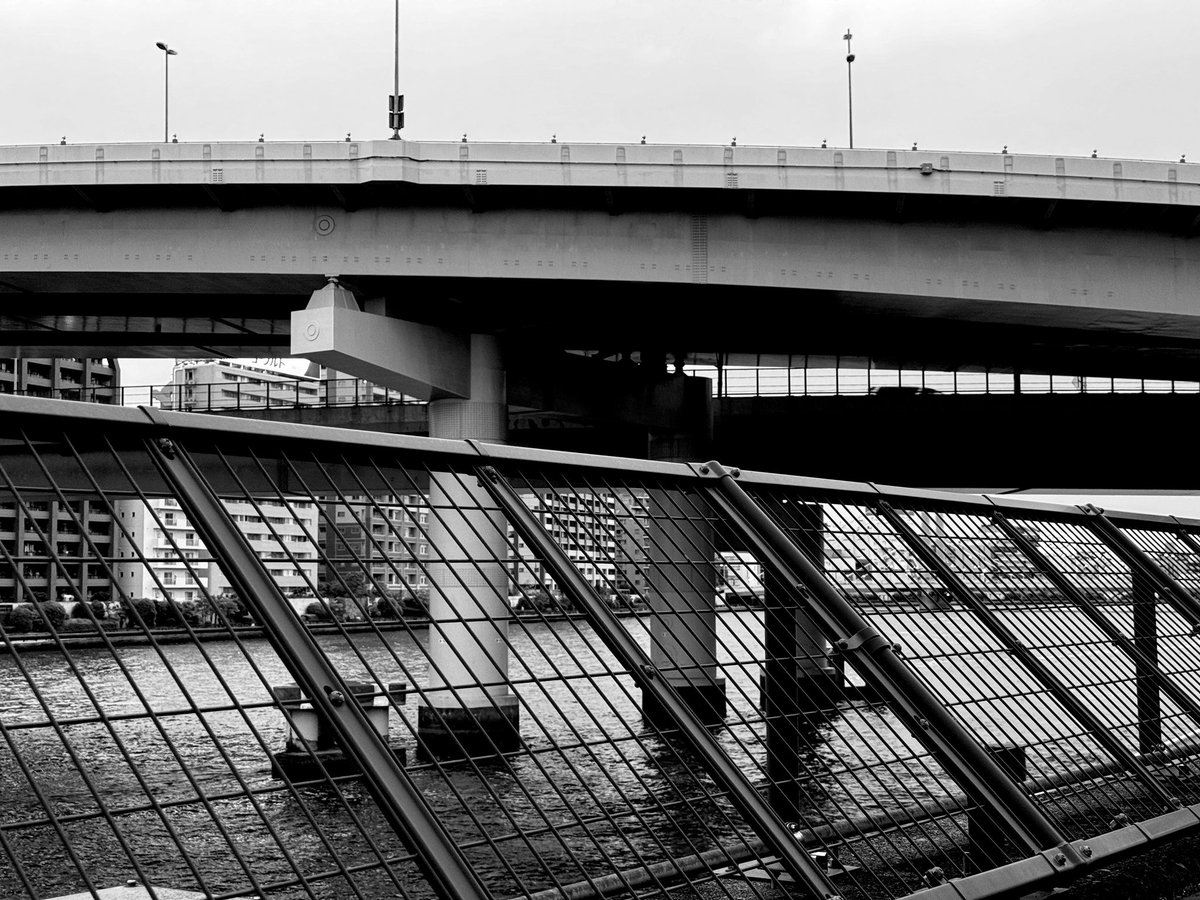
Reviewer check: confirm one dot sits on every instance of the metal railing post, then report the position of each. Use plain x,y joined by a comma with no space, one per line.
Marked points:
399,800
874,658
624,646
1073,706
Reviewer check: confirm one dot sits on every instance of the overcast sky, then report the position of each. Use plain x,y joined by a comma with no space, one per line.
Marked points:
1040,76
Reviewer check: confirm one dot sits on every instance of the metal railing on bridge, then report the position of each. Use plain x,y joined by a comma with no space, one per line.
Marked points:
858,380
728,382
630,677
281,393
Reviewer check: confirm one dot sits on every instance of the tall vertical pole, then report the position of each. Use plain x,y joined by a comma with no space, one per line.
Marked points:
167,54
166,96
850,83
396,85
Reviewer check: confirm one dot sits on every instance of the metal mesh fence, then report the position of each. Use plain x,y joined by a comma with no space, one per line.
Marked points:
279,662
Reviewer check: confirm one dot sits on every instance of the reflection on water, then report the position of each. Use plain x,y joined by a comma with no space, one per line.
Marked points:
593,790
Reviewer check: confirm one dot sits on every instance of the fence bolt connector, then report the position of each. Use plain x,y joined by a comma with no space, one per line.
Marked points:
704,470
337,698
650,670
1086,851
843,644
167,446
897,649
736,473
1060,859
923,722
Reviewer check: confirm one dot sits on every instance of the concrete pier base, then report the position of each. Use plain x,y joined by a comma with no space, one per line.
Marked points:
311,750
457,732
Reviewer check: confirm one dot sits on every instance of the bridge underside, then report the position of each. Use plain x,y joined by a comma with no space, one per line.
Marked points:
910,281
248,315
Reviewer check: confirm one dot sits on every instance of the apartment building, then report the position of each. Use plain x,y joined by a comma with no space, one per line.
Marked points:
202,384
163,552
46,524
63,526
384,534
62,378
215,384
585,526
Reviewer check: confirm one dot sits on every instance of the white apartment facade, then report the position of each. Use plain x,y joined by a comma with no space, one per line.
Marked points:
216,384
585,526
163,552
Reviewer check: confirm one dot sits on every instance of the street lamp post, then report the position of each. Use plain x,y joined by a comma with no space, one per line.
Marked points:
849,84
167,54
396,101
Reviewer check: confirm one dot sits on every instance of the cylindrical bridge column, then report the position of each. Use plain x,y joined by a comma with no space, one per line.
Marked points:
468,708
683,593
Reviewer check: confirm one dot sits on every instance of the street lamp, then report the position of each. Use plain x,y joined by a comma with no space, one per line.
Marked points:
396,101
167,54
849,83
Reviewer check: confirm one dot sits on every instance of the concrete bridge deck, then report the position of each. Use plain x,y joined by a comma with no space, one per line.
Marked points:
920,258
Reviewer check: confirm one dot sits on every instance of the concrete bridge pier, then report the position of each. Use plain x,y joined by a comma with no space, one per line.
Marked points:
468,608
799,688
683,591
468,707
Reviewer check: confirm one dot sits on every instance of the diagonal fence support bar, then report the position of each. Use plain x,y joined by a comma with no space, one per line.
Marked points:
1175,593
1146,666
398,798
1039,670
874,658
773,832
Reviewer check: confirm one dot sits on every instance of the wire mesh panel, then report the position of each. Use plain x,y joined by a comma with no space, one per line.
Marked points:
1089,719
156,735
280,662
860,790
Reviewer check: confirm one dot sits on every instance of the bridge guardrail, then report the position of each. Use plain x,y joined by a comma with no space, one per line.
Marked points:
1011,699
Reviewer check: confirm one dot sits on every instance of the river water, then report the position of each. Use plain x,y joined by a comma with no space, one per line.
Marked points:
587,793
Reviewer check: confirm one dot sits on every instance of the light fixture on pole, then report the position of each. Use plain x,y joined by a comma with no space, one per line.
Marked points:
167,54
849,83
396,101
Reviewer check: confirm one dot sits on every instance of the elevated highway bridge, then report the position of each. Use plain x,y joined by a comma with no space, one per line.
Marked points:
946,260
635,255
